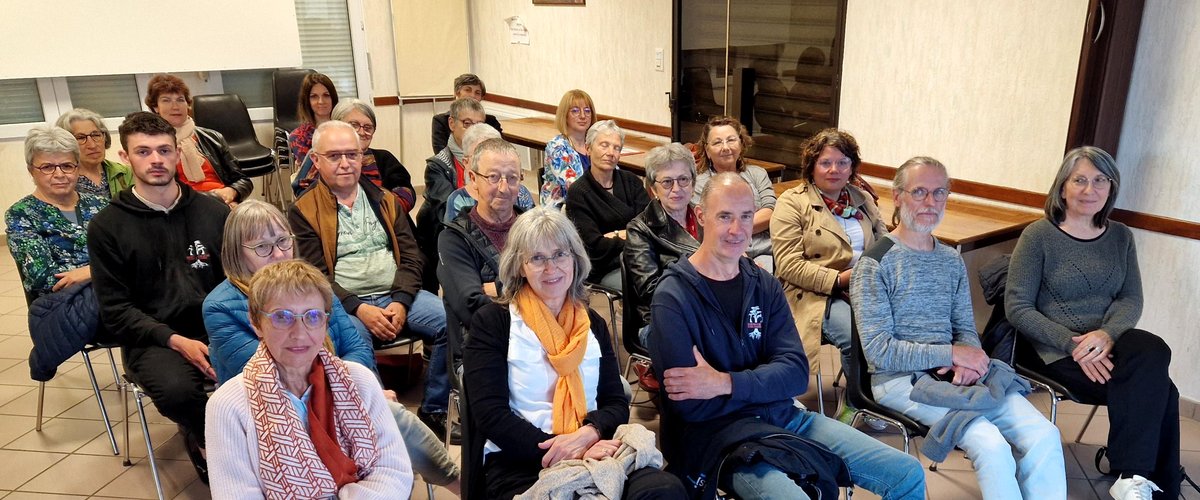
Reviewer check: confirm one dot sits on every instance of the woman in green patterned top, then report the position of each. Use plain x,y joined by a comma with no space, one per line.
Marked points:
47,230
97,175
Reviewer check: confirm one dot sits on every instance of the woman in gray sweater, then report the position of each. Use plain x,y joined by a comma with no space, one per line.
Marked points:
1074,291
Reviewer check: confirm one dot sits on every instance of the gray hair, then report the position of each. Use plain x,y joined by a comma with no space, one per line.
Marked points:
345,106
493,145
603,127
1056,205
45,139
79,114
477,134
541,225
332,124
661,156
459,106
900,181
722,179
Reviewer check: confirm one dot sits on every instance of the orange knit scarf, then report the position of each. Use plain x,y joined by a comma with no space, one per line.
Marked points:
565,340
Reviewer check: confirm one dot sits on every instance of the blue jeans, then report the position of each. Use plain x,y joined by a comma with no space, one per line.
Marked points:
1030,467
425,449
881,469
426,321
836,328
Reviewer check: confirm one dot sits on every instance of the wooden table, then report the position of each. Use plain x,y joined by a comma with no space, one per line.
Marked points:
967,225
535,132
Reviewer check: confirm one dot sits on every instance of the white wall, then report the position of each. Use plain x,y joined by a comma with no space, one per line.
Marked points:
1161,174
605,48
986,87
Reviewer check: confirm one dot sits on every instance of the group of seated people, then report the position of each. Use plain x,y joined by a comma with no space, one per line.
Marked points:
735,289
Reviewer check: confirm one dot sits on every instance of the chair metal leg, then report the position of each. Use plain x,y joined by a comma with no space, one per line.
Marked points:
41,402
138,395
125,408
429,490
1086,423
820,394
112,363
112,437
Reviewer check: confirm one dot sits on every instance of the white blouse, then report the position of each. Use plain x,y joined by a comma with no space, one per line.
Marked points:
531,378
854,231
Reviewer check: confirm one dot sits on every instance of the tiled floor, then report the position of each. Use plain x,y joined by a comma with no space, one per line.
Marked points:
71,457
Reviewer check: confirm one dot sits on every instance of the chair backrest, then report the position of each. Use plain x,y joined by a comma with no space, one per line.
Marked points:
858,378
286,84
29,296
225,113
631,319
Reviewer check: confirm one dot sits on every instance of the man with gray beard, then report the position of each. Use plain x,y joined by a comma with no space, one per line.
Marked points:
912,305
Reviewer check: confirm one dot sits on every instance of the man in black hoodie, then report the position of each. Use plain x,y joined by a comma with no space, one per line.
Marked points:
155,255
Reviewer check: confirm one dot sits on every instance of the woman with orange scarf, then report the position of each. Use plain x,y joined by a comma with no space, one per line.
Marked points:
540,376
298,422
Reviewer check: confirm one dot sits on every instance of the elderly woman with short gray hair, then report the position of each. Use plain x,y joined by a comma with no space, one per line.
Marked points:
47,230
97,175
603,201
666,230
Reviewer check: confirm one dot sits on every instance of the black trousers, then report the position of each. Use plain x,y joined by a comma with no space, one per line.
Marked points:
175,386
1143,407
505,481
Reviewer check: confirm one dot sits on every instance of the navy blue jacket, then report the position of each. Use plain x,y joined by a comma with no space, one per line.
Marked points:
763,356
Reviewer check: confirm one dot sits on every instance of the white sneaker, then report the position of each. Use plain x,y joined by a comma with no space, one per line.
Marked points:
1133,488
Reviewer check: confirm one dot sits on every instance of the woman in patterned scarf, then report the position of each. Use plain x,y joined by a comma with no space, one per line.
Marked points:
306,423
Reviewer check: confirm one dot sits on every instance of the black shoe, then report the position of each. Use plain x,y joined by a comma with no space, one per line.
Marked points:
437,423
193,450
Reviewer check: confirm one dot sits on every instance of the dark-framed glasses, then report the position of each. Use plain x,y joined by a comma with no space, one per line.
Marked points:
365,128
919,194
1099,182
337,156
97,137
284,318
495,178
669,184
558,258
48,168
283,243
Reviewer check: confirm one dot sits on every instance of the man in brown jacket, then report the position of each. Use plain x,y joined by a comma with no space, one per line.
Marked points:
357,235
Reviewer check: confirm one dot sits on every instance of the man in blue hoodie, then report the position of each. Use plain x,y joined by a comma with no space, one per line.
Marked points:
725,348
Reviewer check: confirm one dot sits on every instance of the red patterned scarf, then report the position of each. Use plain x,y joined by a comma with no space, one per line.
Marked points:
338,447
841,207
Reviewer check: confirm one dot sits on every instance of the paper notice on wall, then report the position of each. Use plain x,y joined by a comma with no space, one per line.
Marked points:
517,32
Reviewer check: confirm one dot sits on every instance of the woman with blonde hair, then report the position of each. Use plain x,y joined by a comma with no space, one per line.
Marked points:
540,373
566,157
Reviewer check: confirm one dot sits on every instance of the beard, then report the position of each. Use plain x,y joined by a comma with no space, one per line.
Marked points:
908,217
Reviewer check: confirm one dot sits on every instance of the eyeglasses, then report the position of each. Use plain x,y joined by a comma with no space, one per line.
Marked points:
919,194
577,111
337,156
365,128
495,179
284,243
97,137
544,261
1101,182
841,164
669,184
48,168
732,141
284,319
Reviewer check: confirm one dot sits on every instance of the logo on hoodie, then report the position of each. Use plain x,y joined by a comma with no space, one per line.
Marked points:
197,255
754,322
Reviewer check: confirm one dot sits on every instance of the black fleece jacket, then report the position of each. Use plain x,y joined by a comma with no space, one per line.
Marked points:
151,270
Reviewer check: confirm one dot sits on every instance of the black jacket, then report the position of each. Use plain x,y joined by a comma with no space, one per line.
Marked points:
485,375
439,183
441,129
653,240
213,146
468,259
721,446
151,270
595,212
